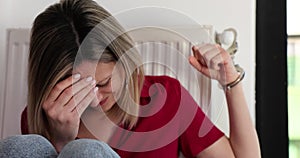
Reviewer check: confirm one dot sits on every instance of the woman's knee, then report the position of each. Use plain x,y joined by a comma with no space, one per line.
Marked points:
87,148
26,146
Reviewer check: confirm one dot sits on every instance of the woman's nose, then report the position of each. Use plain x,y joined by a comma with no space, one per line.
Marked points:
102,92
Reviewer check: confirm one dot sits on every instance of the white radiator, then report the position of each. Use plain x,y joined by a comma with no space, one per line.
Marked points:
15,91
158,46
166,52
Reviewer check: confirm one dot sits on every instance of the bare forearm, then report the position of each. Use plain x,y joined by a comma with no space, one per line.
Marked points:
243,136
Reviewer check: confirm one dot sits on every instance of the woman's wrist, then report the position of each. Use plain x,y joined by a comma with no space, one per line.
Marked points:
58,145
234,82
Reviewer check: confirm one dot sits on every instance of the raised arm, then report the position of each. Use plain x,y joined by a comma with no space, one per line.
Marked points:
215,63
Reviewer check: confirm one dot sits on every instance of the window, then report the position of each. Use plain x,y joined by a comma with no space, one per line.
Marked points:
293,57
293,61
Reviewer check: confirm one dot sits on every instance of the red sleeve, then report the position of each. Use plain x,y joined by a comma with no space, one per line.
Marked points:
201,133
24,123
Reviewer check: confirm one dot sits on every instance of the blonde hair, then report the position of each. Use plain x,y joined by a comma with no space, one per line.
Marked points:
56,38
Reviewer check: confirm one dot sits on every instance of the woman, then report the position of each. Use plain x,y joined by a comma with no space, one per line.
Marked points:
83,67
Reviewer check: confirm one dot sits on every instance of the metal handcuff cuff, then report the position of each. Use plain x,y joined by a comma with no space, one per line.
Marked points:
228,37
241,76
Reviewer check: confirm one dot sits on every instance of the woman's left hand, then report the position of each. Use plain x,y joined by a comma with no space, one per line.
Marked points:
214,62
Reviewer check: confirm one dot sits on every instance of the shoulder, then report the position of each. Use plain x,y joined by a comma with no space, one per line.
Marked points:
169,84
166,81
160,86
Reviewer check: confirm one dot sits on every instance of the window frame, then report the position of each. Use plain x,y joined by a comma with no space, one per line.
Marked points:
271,78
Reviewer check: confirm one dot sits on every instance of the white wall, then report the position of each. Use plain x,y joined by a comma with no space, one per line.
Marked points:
292,14
220,13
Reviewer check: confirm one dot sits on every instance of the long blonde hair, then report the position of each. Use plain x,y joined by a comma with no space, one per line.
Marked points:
56,38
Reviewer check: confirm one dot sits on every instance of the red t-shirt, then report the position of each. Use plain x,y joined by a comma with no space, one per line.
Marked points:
170,122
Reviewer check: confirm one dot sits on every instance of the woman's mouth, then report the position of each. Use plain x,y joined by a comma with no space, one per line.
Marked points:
103,101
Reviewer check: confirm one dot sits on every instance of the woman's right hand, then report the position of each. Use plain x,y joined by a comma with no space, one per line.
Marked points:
64,107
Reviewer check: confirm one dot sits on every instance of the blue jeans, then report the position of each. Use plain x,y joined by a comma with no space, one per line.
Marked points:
33,146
